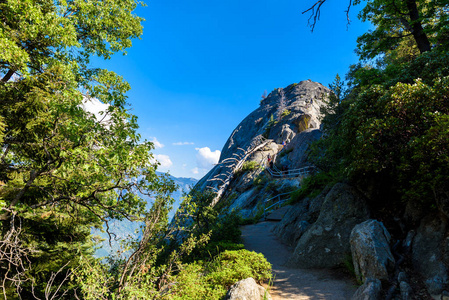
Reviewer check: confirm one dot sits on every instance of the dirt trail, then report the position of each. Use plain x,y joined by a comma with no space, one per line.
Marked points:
292,283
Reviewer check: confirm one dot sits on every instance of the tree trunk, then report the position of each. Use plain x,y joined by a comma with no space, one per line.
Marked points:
417,30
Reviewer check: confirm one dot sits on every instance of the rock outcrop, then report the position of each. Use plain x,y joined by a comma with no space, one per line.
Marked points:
325,229
370,290
287,119
247,289
325,244
429,252
299,218
371,252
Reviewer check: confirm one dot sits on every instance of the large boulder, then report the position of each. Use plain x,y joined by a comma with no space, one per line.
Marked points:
299,218
326,243
282,134
247,289
370,290
371,252
427,252
294,223
298,147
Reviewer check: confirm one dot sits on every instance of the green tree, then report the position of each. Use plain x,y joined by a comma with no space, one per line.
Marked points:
62,170
426,21
388,132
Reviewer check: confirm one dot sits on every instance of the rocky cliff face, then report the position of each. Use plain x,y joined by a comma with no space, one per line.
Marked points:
329,229
281,129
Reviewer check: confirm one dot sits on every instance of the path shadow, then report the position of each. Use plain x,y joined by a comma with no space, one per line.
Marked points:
290,282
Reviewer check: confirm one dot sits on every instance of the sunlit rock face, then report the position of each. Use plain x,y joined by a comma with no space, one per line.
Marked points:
289,117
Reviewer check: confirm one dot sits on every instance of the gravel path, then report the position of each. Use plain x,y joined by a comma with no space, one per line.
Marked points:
290,283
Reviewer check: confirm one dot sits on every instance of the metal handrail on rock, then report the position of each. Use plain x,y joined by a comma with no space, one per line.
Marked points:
277,203
234,164
276,173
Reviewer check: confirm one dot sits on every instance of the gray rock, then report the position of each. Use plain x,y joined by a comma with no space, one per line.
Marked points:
406,291
283,134
445,295
294,223
427,256
298,102
315,205
247,289
407,243
402,276
325,244
370,290
269,150
299,218
299,146
242,200
371,252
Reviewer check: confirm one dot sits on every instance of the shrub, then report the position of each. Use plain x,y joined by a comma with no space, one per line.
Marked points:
191,284
285,152
225,202
225,234
232,266
285,113
211,280
270,124
311,186
260,180
249,166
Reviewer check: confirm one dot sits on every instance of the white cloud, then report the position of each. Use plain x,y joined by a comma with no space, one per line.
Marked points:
97,108
164,160
195,171
183,143
156,143
205,158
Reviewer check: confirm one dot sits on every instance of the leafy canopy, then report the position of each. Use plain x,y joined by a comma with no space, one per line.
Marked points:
62,169
388,133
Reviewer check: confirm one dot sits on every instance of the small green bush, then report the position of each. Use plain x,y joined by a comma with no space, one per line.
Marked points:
225,234
285,113
225,202
260,180
249,166
270,124
285,152
232,266
191,284
349,266
211,280
311,186
292,86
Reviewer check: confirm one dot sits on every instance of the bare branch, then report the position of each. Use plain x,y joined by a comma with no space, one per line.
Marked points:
315,13
50,282
347,14
14,257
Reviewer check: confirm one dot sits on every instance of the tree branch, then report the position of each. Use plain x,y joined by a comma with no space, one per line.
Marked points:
8,75
315,15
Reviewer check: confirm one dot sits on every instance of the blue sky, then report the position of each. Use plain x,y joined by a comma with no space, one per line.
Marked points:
202,65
